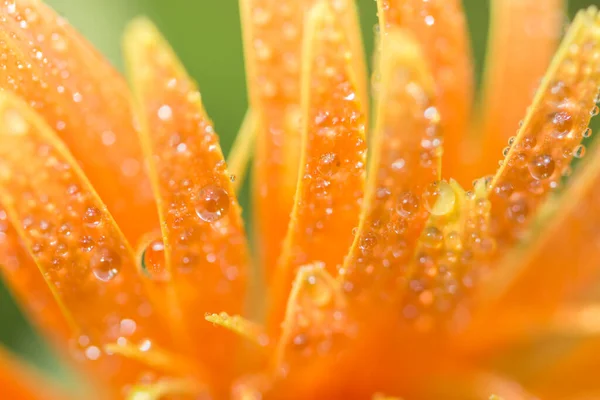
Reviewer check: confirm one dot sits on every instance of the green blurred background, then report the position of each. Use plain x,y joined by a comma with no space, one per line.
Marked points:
206,35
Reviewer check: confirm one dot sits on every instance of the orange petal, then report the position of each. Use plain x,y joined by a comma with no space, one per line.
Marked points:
28,286
19,382
524,36
556,262
312,318
405,161
204,242
74,241
85,100
241,151
440,28
331,179
240,325
551,132
273,34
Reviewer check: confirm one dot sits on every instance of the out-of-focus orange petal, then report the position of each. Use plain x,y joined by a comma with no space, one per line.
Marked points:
18,382
405,162
273,34
440,28
241,151
523,37
551,133
28,286
74,241
205,249
574,372
84,100
332,167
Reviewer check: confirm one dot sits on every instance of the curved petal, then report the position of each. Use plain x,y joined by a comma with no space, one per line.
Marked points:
273,33
555,263
74,241
440,28
206,255
405,161
331,179
85,100
522,39
551,133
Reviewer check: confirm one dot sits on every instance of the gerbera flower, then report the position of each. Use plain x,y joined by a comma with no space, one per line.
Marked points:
121,233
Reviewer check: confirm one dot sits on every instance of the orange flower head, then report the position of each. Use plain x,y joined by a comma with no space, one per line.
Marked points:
374,274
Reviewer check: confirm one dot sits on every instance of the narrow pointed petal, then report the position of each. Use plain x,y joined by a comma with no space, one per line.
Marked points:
85,100
273,33
205,251
332,168
440,28
556,263
240,325
312,318
523,37
241,151
74,241
405,162
158,359
552,131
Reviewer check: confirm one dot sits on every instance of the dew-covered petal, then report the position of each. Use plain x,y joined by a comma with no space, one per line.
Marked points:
405,162
74,241
273,33
332,167
440,28
205,251
241,151
559,260
551,133
84,100
240,325
315,319
523,37
26,283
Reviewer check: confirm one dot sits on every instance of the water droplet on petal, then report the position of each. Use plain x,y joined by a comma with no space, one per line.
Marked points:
105,264
92,217
213,203
408,205
153,260
328,164
541,166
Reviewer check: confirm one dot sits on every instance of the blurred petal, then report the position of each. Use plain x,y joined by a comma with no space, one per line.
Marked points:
273,34
523,38
405,161
241,151
440,28
85,100
241,326
74,241
27,285
18,382
204,242
331,179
